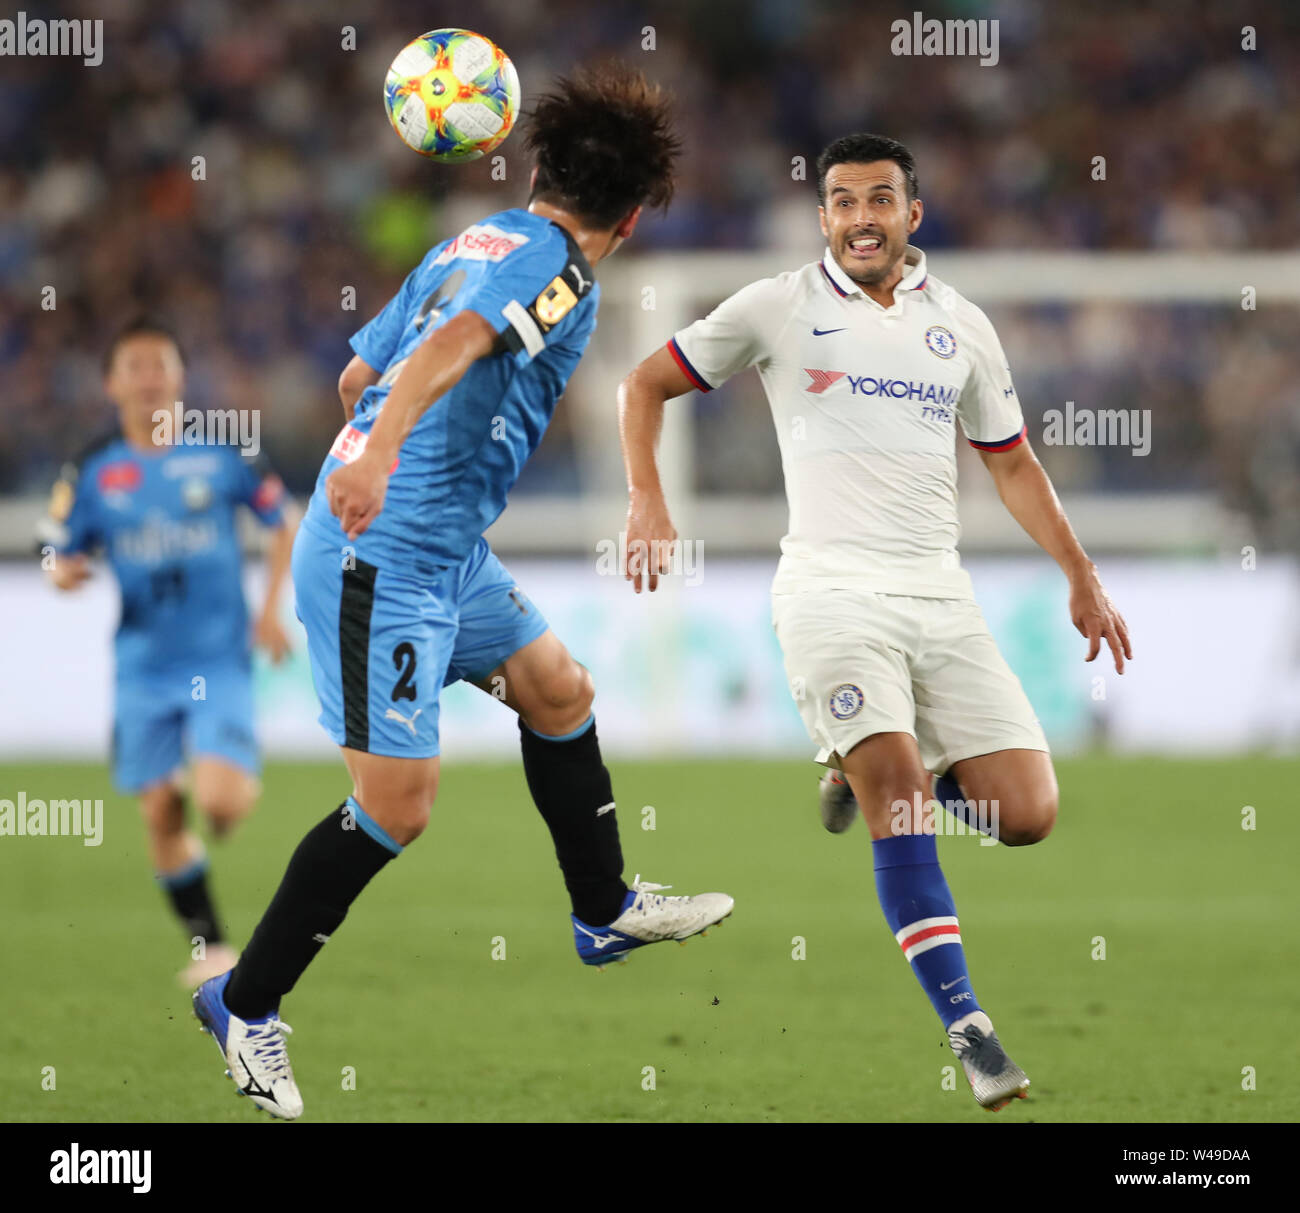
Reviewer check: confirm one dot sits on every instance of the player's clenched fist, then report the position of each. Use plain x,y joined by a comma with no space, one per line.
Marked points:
651,538
70,571
356,494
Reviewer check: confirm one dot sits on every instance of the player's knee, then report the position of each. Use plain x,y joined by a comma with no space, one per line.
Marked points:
225,810
224,797
396,795
1033,821
563,702
585,692
573,691
404,819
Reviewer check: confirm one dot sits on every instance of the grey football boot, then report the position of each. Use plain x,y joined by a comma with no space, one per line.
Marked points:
995,1080
838,806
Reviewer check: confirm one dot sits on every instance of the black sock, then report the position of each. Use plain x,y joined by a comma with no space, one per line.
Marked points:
570,784
331,866
187,890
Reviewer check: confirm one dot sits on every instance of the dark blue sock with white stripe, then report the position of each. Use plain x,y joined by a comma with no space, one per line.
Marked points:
920,911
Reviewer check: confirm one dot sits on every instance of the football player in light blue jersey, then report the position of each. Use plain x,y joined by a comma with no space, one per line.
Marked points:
451,389
163,513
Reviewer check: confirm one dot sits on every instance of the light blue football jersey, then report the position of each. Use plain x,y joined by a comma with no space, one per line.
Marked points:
165,521
529,280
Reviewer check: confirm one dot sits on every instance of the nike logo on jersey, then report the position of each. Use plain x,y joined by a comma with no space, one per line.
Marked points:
823,332
605,808
393,714
948,985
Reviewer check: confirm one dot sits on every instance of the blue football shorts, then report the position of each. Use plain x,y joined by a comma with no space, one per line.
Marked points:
163,718
383,644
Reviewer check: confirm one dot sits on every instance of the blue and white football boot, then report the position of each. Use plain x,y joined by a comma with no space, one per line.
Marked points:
253,1049
647,917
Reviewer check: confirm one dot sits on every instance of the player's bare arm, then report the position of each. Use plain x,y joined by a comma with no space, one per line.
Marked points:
356,377
650,531
1027,493
268,633
356,490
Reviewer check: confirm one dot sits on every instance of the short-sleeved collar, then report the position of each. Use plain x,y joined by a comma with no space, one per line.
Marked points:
914,274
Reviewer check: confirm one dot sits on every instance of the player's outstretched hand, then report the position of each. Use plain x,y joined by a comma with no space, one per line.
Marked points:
70,571
271,638
1095,616
356,494
651,538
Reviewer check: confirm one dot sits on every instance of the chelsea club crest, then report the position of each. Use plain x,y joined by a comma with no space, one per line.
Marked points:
940,341
846,701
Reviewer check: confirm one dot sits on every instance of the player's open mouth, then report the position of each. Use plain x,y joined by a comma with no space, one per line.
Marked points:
865,246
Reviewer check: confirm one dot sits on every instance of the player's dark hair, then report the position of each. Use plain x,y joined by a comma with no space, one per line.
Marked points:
603,143
141,324
862,148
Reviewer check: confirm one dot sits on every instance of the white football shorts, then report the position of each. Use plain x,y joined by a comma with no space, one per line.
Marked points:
860,663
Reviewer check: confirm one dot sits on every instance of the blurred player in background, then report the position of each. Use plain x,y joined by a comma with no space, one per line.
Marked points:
163,513
867,360
450,392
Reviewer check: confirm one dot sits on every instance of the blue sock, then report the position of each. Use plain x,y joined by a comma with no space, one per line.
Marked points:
947,791
920,911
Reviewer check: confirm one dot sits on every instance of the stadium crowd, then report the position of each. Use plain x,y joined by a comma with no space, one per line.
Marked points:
229,165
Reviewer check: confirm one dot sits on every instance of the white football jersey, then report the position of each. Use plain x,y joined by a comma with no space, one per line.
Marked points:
865,398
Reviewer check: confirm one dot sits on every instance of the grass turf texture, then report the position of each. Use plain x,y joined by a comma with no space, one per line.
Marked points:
1197,914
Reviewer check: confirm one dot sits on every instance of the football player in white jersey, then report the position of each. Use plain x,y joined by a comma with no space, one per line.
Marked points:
869,362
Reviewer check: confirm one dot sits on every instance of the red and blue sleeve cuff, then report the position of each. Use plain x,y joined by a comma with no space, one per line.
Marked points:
687,369
1005,445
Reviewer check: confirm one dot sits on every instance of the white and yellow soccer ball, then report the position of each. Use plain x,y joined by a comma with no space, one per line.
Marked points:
452,95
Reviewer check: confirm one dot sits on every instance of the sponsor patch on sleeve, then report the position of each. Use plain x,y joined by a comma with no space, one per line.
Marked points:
529,325
269,493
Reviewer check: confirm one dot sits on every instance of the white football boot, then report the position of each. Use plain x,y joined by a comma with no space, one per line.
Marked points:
648,917
253,1049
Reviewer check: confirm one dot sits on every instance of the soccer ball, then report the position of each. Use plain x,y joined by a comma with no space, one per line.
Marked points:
452,95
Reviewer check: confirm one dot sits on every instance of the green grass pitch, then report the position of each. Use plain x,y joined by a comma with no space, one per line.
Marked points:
1198,918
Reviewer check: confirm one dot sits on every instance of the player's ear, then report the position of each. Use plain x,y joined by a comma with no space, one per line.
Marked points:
914,218
628,225
821,218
